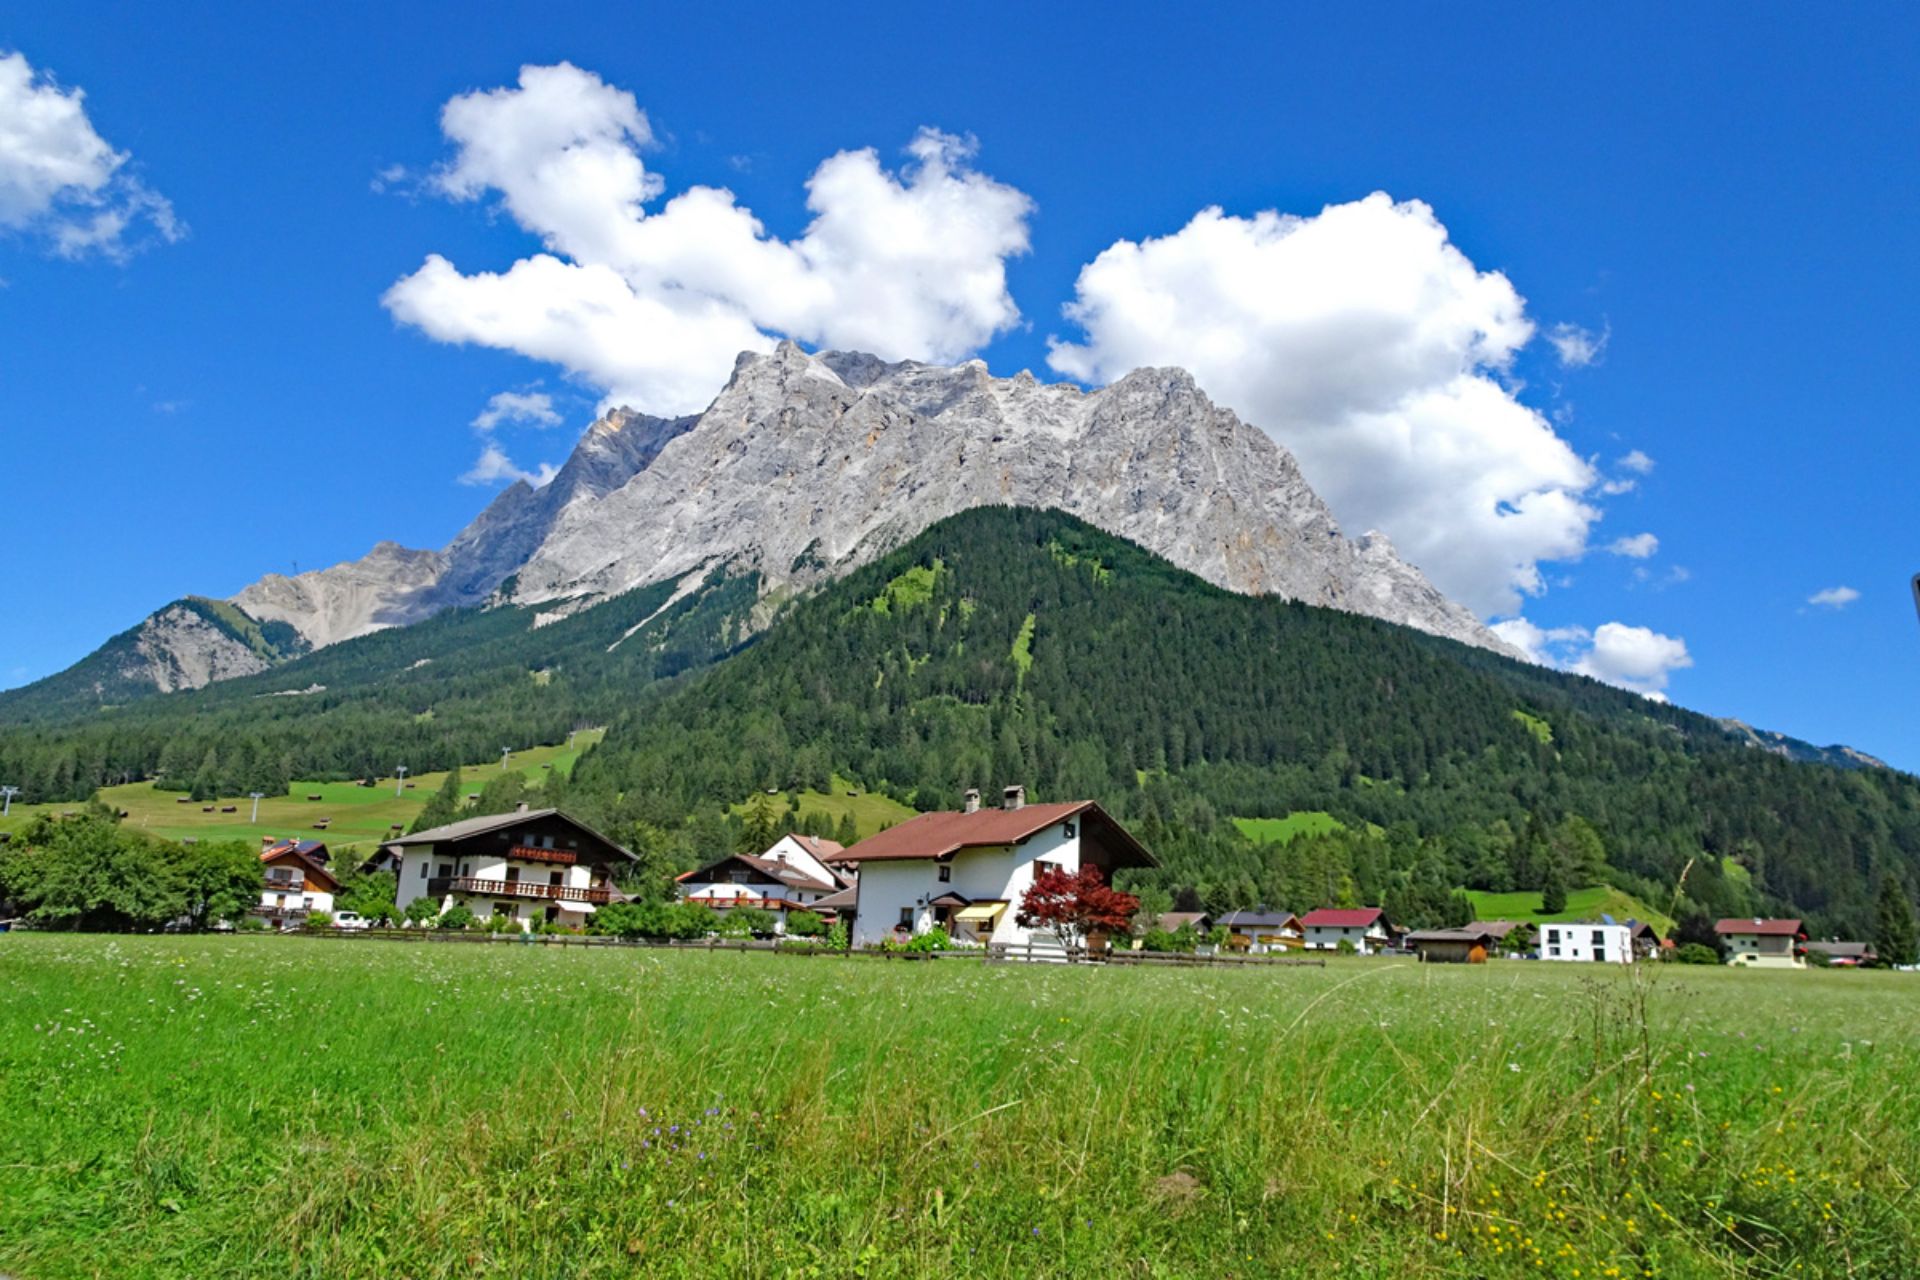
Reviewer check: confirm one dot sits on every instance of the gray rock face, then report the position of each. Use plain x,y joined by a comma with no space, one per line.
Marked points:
178,648
807,466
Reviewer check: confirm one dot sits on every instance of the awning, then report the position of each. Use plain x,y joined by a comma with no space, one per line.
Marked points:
980,912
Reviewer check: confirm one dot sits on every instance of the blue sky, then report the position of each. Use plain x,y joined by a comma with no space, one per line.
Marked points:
1721,199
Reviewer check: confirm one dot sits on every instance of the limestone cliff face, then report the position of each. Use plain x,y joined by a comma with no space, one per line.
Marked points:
180,647
806,466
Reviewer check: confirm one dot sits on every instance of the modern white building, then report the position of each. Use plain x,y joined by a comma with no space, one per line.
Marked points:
1764,944
1365,927
531,866
1593,941
967,871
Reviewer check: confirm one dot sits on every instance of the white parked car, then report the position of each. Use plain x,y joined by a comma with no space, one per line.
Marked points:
350,920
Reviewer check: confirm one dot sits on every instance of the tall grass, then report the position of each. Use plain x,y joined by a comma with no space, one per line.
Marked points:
261,1106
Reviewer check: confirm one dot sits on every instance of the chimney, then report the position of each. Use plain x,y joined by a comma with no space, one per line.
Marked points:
973,800
1013,798
524,807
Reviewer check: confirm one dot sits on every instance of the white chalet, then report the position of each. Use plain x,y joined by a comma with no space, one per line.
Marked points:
531,866
966,871
789,876
1592,941
1365,927
296,882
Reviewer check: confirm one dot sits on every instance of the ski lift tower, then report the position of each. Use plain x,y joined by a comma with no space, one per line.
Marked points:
399,779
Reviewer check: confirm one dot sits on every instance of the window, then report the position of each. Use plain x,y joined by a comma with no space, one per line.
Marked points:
1067,830
553,877
1599,940
906,917
1041,868
446,869
1553,948
423,871
946,875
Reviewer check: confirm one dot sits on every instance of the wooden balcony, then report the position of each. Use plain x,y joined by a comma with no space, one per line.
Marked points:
533,853
515,889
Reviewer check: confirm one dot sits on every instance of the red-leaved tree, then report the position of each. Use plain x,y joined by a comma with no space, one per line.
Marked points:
1073,904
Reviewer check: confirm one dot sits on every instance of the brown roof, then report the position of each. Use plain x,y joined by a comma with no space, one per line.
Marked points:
1172,920
841,901
943,834
1340,918
1762,928
1469,934
291,853
785,872
1496,928
818,846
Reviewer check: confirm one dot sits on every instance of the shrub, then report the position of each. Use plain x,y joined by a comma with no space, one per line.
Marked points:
458,916
837,937
318,920
619,920
805,924
1346,947
755,920
423,911
1158,940
1696,953
498,923
934,939
251,924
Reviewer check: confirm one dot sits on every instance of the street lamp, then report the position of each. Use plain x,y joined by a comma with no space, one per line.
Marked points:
399,779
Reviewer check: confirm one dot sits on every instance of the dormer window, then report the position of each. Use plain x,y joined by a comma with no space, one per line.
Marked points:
1067,830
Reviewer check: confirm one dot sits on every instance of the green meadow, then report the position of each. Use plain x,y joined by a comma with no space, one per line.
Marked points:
359,815
871,811
259,1106
1582,904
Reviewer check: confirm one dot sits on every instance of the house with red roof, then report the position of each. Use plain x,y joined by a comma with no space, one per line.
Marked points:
1365,927
966,870
1764,944
296,881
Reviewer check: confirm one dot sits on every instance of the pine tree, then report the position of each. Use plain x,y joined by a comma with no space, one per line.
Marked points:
1553,889
1896,939
847,834
444,807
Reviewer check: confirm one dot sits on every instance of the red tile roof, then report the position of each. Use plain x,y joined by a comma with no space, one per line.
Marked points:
1331,918
315,871
943,834
818,846
1763,928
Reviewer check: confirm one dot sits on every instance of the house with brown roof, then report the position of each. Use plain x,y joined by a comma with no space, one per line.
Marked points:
966,870
1468,945
789,876
1260,932
1764,944
1844,955
531,866
295,881
1364,927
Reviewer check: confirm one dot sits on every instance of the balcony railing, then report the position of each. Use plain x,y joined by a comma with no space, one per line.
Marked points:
533,853
515,889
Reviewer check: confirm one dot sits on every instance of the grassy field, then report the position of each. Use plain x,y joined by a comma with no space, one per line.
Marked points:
1582,904
297,1107
871,811
361,815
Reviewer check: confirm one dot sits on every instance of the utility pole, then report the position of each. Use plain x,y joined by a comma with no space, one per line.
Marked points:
256,795
6,800
399,779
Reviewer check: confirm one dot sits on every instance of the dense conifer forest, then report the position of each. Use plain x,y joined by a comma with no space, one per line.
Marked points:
1008,646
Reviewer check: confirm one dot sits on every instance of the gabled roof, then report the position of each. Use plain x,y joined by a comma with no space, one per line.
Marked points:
1497,928
1759,927
1847,950
1468,934
290,852
819,846
467,828
1259,919
1172,921
1342,918
943,834
784,872
315,849
844,900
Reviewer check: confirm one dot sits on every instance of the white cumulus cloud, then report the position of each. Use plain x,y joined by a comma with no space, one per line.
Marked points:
652,307
60,180
1637,462
493,466
1370,346
1834,597
1635,658
1639,546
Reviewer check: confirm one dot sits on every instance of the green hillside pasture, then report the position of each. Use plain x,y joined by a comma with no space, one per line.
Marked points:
274,1107
361,815
1283,830
871,811
1582,904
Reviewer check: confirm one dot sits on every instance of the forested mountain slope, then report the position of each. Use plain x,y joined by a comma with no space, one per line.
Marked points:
454,688
1010,646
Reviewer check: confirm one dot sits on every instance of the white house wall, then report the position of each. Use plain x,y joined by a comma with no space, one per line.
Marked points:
1575,942
887,887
